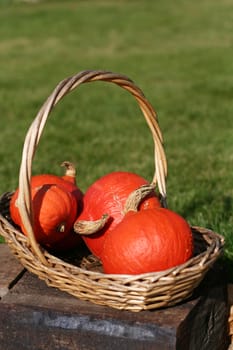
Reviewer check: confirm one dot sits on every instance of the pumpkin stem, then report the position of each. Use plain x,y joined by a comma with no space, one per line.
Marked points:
70,171
86,228
137,196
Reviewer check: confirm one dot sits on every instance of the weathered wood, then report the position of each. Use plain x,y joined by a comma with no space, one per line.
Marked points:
10,270
41,317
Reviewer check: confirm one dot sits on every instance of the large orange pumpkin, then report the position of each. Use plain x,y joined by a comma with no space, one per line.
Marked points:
108,195
147,241
54,212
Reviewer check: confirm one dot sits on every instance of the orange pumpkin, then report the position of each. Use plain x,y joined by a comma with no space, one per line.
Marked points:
54,212
67,181
147,241
108,195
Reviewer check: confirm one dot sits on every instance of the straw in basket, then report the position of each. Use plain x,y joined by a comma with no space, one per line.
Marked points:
128,292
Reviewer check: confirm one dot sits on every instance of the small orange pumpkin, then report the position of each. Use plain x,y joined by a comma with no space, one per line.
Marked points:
67,181
54,212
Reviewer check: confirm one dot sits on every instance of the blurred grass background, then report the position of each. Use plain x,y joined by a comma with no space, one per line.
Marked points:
179,53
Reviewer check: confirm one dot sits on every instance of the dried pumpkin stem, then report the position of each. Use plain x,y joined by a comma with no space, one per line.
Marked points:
86,228
137,196
70,168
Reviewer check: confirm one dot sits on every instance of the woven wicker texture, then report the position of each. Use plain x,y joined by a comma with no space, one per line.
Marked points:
135,293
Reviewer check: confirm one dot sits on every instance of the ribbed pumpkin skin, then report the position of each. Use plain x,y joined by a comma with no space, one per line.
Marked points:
54,212
108,195
147,241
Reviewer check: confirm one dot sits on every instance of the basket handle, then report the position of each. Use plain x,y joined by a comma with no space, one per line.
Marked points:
35,131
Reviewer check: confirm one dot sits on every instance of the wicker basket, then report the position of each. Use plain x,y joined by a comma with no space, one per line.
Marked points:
86,280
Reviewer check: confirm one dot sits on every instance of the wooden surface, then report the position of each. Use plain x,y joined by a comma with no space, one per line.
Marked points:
10,270
35,316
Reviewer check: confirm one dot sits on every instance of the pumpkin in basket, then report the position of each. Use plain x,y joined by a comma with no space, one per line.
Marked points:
108,196
147,241
67,181
56,203
54,212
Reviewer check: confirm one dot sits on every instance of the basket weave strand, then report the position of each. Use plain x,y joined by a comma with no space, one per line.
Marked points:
85,279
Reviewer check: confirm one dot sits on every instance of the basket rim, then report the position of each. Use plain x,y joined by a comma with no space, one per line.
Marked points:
134,293
212,251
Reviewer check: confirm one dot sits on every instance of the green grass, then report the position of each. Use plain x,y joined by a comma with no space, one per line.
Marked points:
179,53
